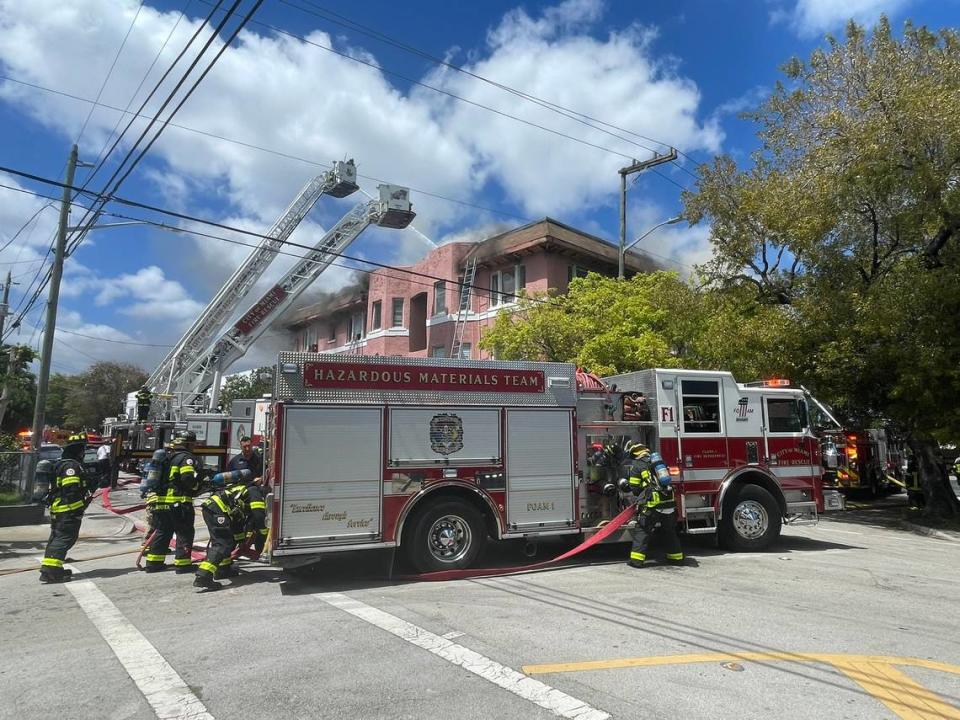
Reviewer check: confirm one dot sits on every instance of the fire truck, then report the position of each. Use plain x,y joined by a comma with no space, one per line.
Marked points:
438,456
865,460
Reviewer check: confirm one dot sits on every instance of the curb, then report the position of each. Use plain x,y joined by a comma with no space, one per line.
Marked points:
929,532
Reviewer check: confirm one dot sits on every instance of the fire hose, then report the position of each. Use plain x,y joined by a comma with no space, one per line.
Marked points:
611,527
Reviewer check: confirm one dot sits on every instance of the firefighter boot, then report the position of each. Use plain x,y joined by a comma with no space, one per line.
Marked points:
205,583
51,576
226,571
184,569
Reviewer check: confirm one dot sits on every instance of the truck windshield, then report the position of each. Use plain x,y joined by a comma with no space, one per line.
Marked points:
820,415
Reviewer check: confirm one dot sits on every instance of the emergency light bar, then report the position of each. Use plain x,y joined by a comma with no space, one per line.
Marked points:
772,382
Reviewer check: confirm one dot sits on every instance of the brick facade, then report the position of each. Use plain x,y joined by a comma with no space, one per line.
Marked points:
536,257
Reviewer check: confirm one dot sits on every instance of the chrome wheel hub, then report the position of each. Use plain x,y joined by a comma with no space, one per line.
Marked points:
750,519
449,538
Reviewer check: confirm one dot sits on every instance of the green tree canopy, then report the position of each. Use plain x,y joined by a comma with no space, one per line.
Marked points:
849,217
100,392
255,384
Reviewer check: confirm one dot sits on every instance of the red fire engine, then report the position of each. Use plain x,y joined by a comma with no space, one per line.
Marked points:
438,455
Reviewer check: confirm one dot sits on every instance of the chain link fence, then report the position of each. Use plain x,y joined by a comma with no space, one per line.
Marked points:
13,474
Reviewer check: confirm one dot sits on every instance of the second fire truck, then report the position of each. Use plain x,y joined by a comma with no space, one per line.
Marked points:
438,456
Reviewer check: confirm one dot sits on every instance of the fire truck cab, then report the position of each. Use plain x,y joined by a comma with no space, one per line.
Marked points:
436,456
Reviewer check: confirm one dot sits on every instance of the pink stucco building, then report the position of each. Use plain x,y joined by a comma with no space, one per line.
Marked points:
407,314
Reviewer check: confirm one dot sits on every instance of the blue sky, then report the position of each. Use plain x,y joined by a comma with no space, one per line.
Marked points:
675,72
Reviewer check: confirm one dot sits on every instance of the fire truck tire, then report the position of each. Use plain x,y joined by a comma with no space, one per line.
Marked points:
751,520
447,536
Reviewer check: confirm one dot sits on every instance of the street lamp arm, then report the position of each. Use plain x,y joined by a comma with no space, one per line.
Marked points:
671,221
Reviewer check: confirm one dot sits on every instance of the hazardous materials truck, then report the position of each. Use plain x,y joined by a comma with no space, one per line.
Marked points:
437,457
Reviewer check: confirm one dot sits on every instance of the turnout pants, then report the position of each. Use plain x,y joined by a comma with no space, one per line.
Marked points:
223,540
170,520
64,531
650,522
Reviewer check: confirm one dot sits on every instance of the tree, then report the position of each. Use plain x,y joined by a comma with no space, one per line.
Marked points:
19,387
100,392
59,389
254,384
849,219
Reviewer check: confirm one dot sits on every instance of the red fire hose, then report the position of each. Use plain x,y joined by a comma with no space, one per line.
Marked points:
624,517
108,505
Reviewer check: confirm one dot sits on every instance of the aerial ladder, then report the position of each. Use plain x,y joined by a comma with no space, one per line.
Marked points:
203,370
338,182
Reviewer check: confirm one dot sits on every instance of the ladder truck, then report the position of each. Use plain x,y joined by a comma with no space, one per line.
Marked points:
338,182
135,441
202,371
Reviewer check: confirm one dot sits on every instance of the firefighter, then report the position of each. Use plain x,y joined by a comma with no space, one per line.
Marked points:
656,508
71,488
232,514
144,397
173,481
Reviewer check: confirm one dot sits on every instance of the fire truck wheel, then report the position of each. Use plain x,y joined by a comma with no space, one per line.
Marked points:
751,521
447,536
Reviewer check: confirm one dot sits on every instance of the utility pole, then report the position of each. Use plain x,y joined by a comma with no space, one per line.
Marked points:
56,272
636,167
5,305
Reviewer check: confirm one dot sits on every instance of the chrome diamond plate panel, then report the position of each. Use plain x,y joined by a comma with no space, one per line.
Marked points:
560,383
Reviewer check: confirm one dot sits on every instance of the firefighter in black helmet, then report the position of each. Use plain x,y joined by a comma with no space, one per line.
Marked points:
649,479
232,514
170,488
144,398
71,487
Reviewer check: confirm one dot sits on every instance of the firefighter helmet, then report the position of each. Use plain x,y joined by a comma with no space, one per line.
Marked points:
638,451
183,437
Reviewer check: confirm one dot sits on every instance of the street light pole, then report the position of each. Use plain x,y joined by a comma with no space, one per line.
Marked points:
56,272
623,250
636,167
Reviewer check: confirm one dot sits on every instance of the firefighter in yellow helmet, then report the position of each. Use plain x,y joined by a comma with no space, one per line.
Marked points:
173,481
71,488
649,479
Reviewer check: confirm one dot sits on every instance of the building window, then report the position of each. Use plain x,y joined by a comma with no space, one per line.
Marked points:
377,315
333,332
357,326
505,284
397,312
440,298
438,351
575,271
701,406
465,350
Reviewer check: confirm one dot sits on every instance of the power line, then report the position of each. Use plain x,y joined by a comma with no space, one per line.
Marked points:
575,115
23,227
102,198
102,154
116,57
117,342
441,91
251,233
270,151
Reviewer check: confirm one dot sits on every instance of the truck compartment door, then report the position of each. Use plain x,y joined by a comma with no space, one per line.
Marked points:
331,471
540,478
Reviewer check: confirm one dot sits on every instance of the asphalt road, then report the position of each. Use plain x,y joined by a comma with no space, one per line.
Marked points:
854,618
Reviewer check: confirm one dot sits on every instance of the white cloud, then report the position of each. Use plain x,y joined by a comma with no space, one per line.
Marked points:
812,17
281,93
148,294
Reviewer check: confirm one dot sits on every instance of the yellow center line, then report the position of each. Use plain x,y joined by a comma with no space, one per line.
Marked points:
876,674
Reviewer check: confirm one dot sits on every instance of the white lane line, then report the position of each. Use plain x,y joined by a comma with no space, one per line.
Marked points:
160,684
541,694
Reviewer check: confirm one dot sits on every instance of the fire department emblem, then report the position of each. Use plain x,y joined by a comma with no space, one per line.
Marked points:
742,409
446,434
